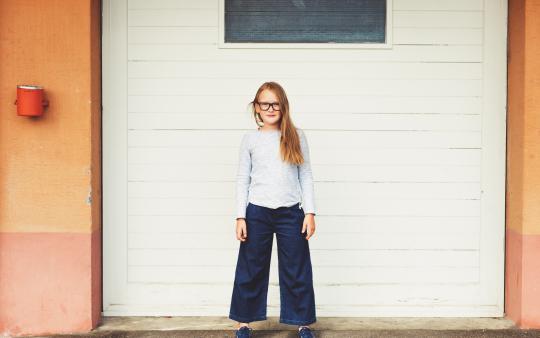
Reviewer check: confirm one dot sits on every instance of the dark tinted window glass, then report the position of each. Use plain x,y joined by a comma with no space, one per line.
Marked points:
342,21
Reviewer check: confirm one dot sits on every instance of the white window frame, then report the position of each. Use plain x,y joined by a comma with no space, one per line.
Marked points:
291,45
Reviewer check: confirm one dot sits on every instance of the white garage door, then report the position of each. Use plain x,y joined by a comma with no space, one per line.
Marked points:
407,147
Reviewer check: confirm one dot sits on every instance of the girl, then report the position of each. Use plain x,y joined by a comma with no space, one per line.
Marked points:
274,193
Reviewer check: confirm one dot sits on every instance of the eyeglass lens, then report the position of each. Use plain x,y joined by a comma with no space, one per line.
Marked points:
266,105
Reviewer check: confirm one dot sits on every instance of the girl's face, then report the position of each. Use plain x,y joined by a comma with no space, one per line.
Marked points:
267,102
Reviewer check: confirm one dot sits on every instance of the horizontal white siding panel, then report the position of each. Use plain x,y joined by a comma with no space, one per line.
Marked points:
398,53
323,257
338,121
318,138
305,104
350,241
434,36
436,18
351,70
326,156
353,173
384,225
172,17
360,294
348,275
211,87
449,208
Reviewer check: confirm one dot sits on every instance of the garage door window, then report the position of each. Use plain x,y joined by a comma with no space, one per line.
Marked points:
305,23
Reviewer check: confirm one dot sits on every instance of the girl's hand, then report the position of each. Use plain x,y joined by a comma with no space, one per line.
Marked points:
309,223
241,229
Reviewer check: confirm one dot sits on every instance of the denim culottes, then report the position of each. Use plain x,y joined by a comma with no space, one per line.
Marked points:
297,297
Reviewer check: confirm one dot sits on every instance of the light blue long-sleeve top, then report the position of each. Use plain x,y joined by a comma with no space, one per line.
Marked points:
264,179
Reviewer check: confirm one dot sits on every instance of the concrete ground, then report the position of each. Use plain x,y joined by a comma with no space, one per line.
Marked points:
325,327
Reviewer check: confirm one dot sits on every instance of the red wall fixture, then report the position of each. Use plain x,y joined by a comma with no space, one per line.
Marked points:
30,100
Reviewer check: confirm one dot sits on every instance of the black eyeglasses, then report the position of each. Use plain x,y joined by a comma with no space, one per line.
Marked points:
266,105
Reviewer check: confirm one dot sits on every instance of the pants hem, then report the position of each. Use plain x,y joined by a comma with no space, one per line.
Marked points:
245,319
297,322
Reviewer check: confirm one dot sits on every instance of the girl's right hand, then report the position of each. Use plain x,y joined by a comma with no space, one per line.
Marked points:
241,229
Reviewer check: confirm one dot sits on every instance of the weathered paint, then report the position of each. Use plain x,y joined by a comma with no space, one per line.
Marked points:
522,290
50,235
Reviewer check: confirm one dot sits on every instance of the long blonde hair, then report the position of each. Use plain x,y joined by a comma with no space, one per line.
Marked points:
290,142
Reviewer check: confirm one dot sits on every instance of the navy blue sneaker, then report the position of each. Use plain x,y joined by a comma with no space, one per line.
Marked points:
305,332
244,332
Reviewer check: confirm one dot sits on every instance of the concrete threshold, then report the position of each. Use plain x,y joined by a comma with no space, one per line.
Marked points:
325,327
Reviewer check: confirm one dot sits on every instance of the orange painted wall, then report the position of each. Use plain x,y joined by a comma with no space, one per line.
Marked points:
522,290
524,116
50,175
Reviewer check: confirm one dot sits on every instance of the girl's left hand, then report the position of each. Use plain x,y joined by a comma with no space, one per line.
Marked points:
309,223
